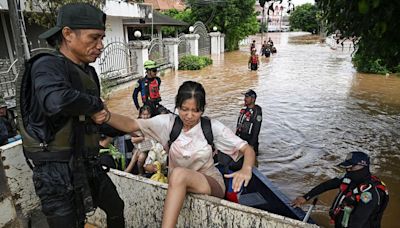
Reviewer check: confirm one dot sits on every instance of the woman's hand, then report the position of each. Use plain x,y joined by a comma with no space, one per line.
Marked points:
150,168
100,117
298,201
137,139
240,177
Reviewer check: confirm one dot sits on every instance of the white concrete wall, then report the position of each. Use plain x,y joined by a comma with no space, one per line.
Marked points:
19,177
8,214
121,8
144,200
114,29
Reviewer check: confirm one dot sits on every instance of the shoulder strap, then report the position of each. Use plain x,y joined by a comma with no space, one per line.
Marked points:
176,130
205,126
144,88
207,130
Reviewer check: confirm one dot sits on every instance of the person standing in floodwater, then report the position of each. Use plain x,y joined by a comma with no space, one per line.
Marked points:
149,89
254,60
362,197
252,45
249,121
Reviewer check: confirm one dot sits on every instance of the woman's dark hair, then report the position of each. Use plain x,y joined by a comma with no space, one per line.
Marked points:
188,90
144,108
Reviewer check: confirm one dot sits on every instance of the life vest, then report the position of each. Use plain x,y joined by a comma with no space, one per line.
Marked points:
254,59
351,197
150,90
245,121
65,139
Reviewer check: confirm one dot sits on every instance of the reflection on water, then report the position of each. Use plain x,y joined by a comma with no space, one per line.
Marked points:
316,109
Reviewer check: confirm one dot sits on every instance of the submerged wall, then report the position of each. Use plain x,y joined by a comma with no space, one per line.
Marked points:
143,199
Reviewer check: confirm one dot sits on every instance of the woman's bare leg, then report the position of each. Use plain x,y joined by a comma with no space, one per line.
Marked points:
181,180
132,162
140,162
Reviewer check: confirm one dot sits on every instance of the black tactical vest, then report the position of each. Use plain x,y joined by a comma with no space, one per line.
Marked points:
66,138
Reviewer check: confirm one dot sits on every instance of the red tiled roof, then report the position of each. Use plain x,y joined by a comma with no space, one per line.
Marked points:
166,4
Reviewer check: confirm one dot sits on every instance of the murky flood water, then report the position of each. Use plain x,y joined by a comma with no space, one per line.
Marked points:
316,109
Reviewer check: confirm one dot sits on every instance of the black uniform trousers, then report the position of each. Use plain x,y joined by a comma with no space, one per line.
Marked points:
53,185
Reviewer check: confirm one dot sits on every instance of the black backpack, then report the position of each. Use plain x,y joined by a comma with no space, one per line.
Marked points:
224,161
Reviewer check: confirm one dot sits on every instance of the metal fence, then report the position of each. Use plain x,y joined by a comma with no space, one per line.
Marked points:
9,72
8,76
117,63
204,40
158,52
183,46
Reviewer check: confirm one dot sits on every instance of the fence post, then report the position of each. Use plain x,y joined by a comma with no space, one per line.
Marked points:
140,48
222,43
193,40
215,43
172,46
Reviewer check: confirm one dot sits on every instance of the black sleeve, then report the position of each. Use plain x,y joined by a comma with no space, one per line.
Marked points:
55,93
362,213
323,187
159,81
110,131
256,126
135,95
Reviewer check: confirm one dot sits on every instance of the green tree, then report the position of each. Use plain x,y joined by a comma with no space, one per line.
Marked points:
236,18
304,18
44,12
376,23
185,16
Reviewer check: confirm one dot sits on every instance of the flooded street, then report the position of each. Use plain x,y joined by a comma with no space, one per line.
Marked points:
316,109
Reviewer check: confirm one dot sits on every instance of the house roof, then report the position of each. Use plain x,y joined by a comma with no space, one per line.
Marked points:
159,19
166,4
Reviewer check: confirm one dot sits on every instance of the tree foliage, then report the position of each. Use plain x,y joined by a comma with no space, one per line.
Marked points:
44,12
185,16
375,22
236,18
304,18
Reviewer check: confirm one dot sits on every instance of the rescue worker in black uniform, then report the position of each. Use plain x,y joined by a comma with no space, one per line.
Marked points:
249,121
362,197
59,94
149,88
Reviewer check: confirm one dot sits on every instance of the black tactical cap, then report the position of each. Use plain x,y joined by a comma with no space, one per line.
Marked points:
250,93
77,16
355,158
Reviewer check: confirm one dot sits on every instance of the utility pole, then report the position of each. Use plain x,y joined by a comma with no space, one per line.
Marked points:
262,4
262,24
16,31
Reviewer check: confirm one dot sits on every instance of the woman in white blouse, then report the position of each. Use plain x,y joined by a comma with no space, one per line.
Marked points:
191,167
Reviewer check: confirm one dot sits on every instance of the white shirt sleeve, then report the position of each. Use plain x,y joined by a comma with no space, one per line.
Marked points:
158,127
225,140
